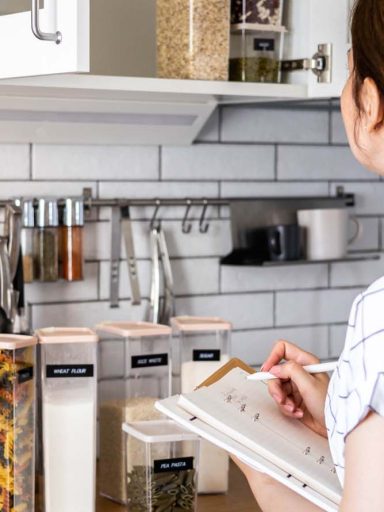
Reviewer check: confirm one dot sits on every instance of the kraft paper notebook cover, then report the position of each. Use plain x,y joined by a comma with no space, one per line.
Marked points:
240,416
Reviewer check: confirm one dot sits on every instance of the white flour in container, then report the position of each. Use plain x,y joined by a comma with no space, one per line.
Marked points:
213,462
69,433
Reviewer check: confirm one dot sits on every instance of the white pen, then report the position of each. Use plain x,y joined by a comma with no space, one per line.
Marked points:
311,368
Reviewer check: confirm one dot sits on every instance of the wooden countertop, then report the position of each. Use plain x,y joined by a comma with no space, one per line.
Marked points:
239,498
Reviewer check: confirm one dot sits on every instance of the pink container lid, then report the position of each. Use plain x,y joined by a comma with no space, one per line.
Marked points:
66,335
15,341
200,323
134,329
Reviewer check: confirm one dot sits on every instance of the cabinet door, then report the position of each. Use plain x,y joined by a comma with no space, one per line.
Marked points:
329,23
26,55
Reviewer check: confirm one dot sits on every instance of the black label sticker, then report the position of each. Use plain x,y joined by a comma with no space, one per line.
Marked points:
167,465
56,371
264,45
149,360
206,355
25,375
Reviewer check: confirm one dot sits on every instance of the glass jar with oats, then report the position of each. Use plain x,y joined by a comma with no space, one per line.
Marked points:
193,39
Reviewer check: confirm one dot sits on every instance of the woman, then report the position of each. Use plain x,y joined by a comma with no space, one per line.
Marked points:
348,410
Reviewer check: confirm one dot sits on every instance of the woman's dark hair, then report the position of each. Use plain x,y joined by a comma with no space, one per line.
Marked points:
368,46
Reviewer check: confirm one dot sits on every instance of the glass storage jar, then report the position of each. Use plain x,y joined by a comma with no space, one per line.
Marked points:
71,239
268,12
162,472
68,418
17,422
202,345
135,370
193,39
46,240
26,239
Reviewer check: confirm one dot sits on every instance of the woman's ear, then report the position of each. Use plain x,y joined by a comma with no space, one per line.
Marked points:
373,105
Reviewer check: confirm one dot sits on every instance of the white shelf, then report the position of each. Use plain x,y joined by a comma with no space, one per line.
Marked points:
86,109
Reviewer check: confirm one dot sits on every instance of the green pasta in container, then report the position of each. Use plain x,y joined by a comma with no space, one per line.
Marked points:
17,423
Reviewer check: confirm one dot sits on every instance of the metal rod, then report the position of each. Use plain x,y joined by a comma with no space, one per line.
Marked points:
35,25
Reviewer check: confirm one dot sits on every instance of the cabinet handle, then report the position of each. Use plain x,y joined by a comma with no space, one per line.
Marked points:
43,36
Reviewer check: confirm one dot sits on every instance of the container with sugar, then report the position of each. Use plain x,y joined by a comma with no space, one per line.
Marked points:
201,346
163,474
135,370
68,418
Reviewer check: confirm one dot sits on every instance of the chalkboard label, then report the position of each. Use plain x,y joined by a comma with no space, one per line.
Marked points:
25,375
57,371
174,465
150,360
206,355
264,45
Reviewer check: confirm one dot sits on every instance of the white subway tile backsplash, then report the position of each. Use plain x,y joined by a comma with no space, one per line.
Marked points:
14,161
218,162
318,163
51,162
274,125
314,307
44,188
210,132
288,277
254,347
157,189
64,291
338,133
275,189
85,314
337,335
191,277
359,273
247,311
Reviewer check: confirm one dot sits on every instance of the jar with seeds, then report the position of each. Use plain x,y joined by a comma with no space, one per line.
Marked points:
162,471
265,12
193,39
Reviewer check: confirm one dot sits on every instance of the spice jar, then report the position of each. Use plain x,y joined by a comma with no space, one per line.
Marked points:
193,39
268,12
203,346
162,472
68,402
71,240
26,239
137,375
46,240
17,423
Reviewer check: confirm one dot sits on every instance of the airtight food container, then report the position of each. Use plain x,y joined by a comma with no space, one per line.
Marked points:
17,422
201,346
135,371
68,358
161,474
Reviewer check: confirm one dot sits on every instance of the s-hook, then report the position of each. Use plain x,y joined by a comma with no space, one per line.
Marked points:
156,222
186,225
204,224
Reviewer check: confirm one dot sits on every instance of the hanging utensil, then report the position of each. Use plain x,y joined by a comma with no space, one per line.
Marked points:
115,256
12,230
154,305
8,297
126,227
168,306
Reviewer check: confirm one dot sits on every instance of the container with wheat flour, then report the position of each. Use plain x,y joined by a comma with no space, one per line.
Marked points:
68,418
202,346
128,391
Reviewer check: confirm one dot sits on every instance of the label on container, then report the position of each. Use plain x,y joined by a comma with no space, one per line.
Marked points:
167,465
149,360
264,45
25,374
56,371
206,355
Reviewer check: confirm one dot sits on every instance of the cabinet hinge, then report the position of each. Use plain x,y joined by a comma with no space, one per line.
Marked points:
320,64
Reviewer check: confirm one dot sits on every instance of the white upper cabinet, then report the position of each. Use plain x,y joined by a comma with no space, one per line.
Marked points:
24,54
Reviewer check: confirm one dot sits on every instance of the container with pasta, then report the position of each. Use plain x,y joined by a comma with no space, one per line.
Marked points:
17,423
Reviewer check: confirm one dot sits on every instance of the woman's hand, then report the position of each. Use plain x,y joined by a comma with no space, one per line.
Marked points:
298,394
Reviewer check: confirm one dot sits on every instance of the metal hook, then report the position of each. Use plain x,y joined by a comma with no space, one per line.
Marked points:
187,226
155,222
203,224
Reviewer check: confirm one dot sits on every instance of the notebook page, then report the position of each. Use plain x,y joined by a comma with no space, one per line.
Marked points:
244,411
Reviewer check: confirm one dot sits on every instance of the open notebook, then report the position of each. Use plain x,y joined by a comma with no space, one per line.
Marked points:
240,416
